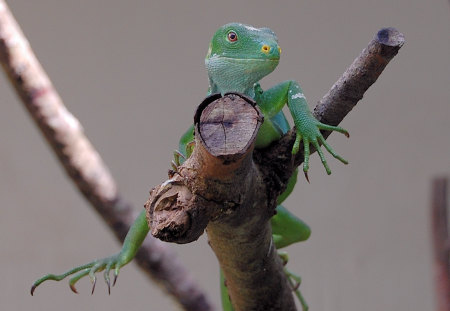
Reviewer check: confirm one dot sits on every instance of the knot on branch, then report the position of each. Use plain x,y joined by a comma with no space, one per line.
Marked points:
214,182
174,214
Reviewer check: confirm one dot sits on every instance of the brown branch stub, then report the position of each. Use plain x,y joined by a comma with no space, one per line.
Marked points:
226,127
83,164
175,214
441,242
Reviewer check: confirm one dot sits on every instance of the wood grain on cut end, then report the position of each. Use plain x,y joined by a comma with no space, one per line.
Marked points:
228,125
390,36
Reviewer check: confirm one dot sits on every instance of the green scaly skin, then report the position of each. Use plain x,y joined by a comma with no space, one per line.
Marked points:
239,56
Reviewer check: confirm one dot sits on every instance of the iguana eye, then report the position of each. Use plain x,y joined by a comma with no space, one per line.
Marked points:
232,36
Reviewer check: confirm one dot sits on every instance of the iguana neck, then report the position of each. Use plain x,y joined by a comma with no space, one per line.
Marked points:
214,88
237,75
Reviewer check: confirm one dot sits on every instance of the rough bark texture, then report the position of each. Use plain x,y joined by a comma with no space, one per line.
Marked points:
441,242
232,191
84,165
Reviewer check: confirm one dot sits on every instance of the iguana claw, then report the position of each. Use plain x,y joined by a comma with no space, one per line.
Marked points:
72,287
306,176
93,285
295,281
107,279
32,289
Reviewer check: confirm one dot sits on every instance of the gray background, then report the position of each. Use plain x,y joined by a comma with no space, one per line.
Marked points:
124,68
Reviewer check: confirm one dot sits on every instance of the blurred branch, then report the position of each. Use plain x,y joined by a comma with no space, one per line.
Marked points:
83,164
441,242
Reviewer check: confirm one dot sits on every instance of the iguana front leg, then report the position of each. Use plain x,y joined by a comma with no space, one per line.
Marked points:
133,241
307,127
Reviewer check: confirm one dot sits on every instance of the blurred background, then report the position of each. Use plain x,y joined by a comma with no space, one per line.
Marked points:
132,72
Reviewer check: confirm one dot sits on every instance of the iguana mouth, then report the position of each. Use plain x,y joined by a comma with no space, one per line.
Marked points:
247,59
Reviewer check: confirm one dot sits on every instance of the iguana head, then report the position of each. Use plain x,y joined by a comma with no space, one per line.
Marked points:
239,56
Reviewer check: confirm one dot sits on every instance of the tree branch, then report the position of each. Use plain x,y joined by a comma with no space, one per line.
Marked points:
232,192
441,242
84,165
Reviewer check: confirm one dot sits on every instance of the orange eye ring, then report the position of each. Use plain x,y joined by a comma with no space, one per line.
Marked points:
232,36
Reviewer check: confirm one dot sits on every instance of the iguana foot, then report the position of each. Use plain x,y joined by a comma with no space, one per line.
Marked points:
114,262
295,281
310,133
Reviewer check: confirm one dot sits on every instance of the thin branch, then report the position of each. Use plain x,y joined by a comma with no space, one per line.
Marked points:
361,74
441,242
83,164
336,104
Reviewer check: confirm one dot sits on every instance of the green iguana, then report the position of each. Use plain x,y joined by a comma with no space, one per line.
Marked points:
239,56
